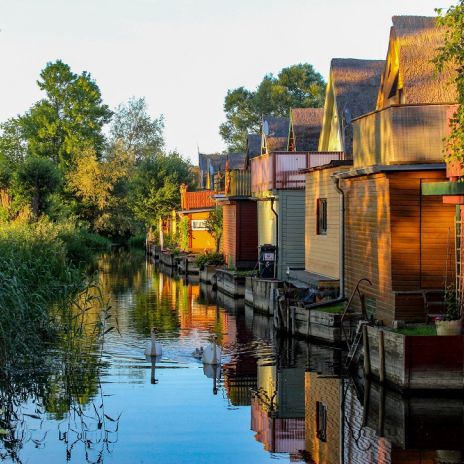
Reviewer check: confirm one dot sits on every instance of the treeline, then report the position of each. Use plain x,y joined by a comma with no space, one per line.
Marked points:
72,159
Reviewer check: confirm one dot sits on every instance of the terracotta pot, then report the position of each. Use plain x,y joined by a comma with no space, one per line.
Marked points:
448,327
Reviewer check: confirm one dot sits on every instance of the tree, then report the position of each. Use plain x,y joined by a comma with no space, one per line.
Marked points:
297,86
35,179
154,189
136,130
452,54
69,118
214,226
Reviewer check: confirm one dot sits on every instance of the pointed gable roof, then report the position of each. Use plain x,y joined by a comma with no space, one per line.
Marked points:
305,127
275,133
414,42
253,145
353,86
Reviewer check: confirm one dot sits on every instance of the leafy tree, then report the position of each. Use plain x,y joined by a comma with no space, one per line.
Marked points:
136,130
214,226
297,86
154,189
35,179
69,118
452,54
13,147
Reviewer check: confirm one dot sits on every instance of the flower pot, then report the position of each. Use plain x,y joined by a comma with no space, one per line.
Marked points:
448,327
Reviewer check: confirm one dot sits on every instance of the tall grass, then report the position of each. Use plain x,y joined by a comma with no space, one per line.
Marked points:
37,271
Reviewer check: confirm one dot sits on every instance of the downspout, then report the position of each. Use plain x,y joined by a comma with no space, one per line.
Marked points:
342,237
277,234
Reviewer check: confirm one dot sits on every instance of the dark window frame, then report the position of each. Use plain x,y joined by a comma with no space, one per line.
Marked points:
321,421
321,216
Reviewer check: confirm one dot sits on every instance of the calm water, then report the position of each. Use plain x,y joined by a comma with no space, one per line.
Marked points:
272,399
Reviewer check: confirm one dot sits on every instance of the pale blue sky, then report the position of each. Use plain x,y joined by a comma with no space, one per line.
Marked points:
183,55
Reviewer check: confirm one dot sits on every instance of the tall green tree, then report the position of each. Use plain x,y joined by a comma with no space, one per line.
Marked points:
452,54
69,118
154,189
136,130
297,86
33,182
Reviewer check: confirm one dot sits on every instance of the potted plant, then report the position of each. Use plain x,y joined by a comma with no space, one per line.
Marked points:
452,322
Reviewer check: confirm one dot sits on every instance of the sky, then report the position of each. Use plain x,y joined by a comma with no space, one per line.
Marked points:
183,55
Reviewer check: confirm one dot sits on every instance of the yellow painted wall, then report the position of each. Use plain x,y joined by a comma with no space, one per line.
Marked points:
327,391
201,239
322,252
266,222
330,138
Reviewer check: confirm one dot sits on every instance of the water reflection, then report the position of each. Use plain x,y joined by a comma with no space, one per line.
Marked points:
271,399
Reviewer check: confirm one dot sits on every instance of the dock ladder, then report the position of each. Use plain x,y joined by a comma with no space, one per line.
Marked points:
354,342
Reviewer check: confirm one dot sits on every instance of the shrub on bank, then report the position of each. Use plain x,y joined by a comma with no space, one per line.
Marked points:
137,241
209,258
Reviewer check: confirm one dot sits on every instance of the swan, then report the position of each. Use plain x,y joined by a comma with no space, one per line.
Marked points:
198,353
153,348
211,354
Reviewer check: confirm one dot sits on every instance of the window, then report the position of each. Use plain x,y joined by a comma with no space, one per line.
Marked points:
321,216
321,421
199,224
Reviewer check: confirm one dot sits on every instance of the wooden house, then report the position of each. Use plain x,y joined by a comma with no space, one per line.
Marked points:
196,207
278,184
240,226
395,236
352,89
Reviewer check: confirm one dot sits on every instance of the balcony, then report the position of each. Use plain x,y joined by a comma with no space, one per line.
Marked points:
238,183
401,134
282,170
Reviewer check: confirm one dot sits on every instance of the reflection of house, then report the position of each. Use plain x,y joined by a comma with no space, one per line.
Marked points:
277,408
351,91
395,236
196,207
323,419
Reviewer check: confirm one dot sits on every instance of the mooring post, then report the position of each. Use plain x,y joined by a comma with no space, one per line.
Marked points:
381,357
367,360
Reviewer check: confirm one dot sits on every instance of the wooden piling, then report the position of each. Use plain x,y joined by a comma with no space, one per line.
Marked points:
367,361
381,357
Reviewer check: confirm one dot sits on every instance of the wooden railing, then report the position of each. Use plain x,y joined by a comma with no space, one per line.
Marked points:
238,183
282,170
197,200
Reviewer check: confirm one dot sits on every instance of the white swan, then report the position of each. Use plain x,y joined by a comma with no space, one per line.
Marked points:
211,354
153,348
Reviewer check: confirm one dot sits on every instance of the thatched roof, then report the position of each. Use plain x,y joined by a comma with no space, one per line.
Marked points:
253,145
416,39
355,85
306,125
237,160
275,133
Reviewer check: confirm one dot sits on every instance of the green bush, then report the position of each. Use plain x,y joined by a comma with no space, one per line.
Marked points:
137,241
209,258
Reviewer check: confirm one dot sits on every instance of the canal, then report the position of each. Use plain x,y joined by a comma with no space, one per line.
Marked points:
273,399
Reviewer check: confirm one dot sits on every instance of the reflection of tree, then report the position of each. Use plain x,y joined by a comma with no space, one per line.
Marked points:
62,382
